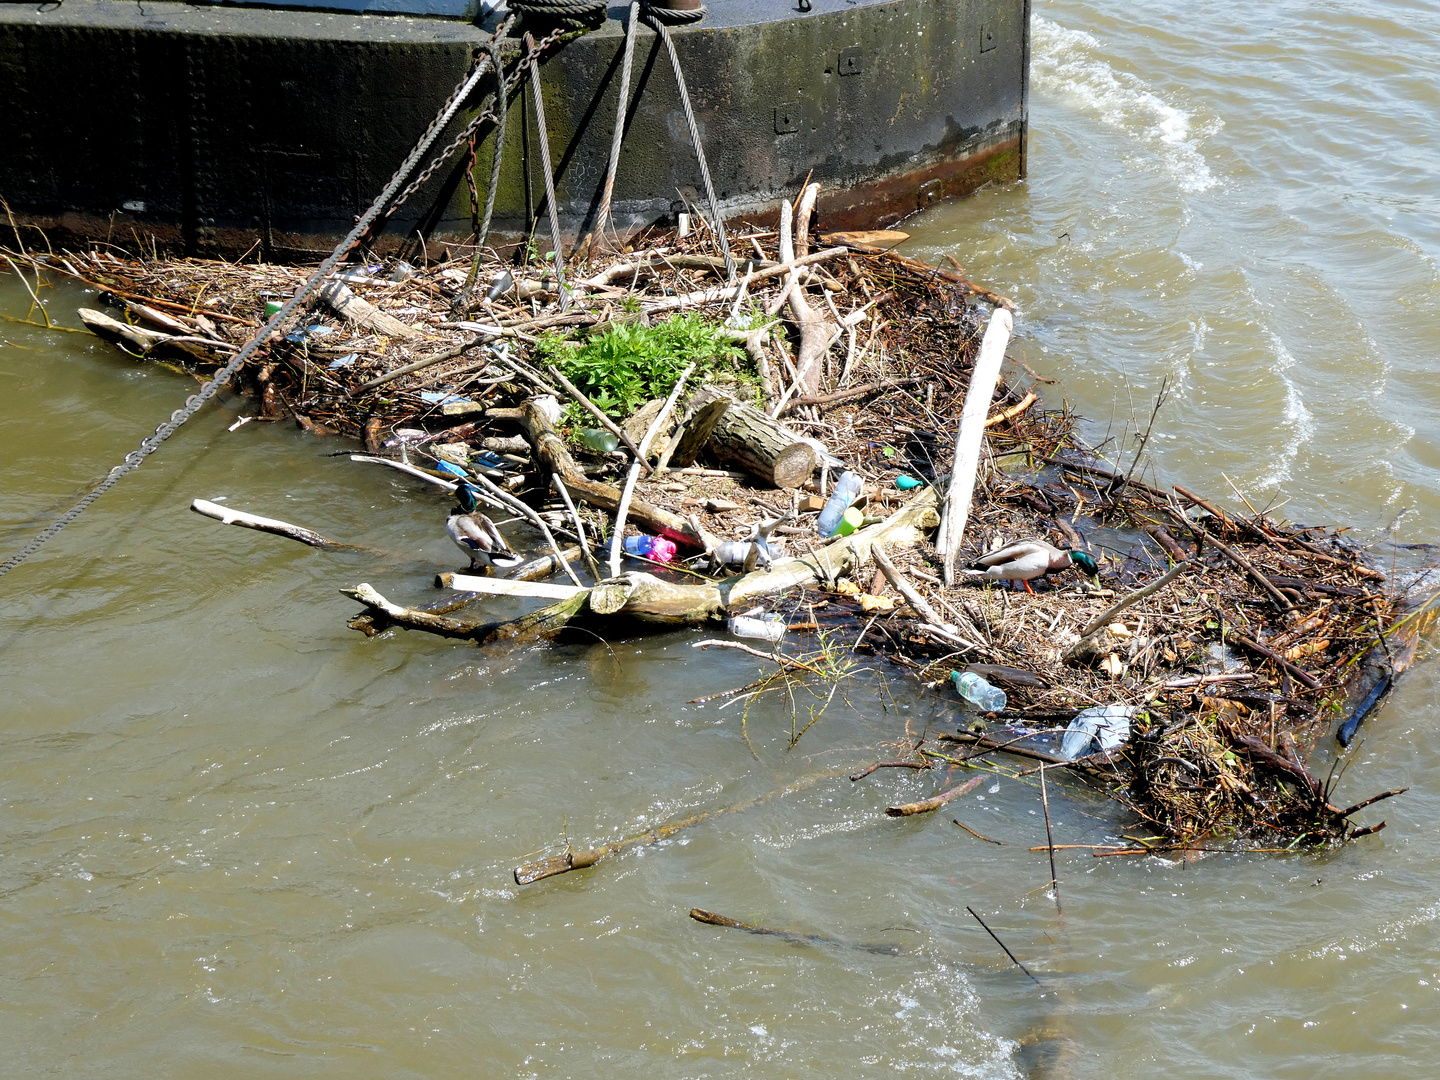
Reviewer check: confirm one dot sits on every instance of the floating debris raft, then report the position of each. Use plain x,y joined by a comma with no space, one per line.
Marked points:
686,427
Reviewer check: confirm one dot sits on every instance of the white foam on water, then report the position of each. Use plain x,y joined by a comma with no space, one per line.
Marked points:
1071,64
1297,418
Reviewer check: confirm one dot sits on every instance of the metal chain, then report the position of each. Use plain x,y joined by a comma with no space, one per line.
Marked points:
719,224
532,53
194,403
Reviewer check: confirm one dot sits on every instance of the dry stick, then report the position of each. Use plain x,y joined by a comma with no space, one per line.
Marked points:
373,622
983,378
525,511
228,516
889,765
1013,411
780,658
1002,945
1159,400
924,806
43,313
1103,619
1235,557
618,536
728,292
605,422
1050,841
1275,658
977,835
853,392
578,860
418,365
579,525
918,602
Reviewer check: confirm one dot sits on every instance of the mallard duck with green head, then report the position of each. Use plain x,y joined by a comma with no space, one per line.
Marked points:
1026,560
475,534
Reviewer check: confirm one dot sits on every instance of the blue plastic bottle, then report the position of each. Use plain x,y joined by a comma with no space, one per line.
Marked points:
847,490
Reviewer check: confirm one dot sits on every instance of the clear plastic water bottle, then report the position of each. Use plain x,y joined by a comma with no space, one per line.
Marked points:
656,548
847,490
765,627
978,692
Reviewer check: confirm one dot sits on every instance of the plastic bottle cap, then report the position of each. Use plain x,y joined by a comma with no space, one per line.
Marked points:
852,520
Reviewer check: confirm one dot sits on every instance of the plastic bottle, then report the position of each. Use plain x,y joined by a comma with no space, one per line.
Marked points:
656,548
1106,725
599,439
978,692
847,490
766,627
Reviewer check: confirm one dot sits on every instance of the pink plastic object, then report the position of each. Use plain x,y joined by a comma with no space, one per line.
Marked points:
656,548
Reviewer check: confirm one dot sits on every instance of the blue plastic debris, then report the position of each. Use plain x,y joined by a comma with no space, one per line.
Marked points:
305,333
344,361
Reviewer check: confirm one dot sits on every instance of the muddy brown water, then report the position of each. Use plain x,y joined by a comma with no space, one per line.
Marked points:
239,839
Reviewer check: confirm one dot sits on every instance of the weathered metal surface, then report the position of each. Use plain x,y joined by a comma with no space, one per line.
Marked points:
219,130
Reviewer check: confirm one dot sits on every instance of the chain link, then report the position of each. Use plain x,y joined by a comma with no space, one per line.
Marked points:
532,54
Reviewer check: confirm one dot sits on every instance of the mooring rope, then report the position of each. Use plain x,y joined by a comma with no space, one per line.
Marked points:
675,16
501,114
602,215
572,13
194,403
553,207
657,18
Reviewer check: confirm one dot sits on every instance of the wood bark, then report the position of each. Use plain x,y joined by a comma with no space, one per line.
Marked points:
696,432
760,445
815,329
337,296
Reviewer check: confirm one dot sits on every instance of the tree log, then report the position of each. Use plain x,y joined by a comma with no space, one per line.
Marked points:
649,599
763,447
696,432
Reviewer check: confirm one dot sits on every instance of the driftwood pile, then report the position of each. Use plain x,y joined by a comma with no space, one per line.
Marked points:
1241,639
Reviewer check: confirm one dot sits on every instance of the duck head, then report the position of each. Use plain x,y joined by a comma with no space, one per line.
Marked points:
466,495
1085,563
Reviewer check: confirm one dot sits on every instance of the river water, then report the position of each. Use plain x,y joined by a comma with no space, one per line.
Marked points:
239,839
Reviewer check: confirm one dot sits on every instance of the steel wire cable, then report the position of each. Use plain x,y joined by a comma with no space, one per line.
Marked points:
660,27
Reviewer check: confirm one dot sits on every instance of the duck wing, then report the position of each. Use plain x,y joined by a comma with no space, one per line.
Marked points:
1020,551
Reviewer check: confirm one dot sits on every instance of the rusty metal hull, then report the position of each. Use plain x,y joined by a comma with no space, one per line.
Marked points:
217,131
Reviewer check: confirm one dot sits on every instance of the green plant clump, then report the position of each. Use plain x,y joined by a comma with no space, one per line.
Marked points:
629,364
